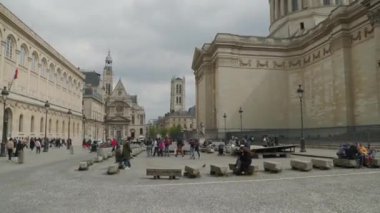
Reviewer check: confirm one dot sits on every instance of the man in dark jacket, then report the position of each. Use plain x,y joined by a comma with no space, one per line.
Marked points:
244,161
126,154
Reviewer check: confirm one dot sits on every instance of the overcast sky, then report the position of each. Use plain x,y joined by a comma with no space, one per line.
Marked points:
150,40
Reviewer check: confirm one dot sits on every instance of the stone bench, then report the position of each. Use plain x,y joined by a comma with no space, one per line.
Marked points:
301,165
191,172
251,169
218,171
157,173
346,163
83,166
322,163
114,169
271,166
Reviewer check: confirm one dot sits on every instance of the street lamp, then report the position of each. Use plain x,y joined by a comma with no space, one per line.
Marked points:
4,94
241,119
84,127
68,131
300,92
46,143
225,126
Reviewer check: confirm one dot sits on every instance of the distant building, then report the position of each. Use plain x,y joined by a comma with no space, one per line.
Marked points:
177,115
93,106
124,117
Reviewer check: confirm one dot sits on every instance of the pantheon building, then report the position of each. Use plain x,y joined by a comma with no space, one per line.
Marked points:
331,48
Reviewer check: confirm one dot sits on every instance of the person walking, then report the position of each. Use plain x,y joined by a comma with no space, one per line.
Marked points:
196,148
10,146
126,153
179,148
155,147
38,146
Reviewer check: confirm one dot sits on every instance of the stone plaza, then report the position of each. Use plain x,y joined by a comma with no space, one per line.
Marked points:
51,182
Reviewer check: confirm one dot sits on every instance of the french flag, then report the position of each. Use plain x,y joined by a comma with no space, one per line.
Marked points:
16,74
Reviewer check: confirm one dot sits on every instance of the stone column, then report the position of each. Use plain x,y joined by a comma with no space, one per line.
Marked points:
282,8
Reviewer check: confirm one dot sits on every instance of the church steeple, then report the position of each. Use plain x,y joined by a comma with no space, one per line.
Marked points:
108,74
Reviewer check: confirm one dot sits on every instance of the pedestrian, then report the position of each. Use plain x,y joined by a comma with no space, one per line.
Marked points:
196,148
192,149
126,154
38,146
113,144
155,147
32,144
161,146
179,148
149,145
167,144
10,146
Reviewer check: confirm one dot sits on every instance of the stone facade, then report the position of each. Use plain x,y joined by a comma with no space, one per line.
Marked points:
123,116
336,62
43,75
93,107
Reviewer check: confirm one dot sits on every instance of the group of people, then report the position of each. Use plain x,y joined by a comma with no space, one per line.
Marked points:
158,146
15,145
123,155
363,155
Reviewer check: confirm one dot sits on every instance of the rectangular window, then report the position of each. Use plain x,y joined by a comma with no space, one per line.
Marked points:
294,5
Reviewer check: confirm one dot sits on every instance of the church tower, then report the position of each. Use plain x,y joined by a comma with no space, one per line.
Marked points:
177,94
108,75
291,18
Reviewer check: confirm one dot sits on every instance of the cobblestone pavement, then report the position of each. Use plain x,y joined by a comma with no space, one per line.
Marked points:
50,182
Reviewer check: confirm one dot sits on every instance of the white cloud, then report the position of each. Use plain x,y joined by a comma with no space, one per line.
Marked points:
150,40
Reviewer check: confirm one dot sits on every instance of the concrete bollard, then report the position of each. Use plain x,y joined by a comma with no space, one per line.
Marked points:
21,157
272,166
346,163
322,163
83,166
218,170
113,169
301,165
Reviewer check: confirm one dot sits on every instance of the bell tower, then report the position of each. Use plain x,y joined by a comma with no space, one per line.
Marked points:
108,75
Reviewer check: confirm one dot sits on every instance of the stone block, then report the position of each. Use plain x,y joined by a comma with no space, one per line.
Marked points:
218,170
322,163
109,155
98,159
272,166
346,163
251,169
90,162
114,169
376,163
191,172
83,166
301,165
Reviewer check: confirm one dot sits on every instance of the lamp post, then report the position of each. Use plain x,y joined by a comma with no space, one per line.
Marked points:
241,119
84,127
4,94
46,143
68,131
300,92
225,126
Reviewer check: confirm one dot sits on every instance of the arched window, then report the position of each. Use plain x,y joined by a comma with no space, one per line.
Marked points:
294,5
34,62
56,127
176,100
50,125
180,100
42,125
43,68
141,131
21,123
51,72
32,124
23,55
180,89
10,47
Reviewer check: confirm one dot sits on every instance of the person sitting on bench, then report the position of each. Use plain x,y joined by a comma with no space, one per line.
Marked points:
244,161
